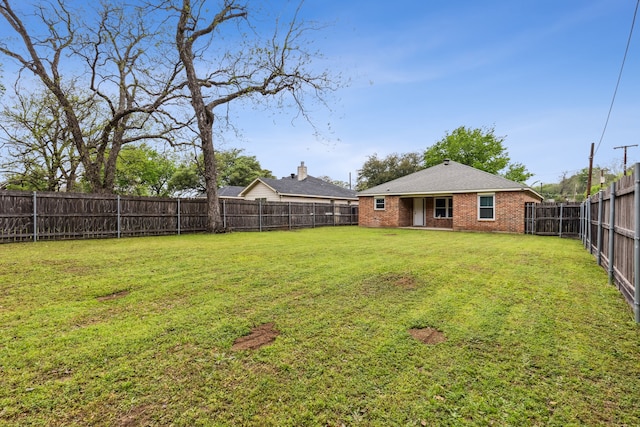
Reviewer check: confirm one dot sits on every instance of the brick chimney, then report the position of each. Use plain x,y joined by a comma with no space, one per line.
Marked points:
302,171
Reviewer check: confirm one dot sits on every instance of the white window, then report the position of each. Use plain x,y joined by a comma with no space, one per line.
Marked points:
486,207
378,203
443,207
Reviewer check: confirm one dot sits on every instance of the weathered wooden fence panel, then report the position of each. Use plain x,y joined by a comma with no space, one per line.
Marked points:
608,225
553,219
609,230
60,216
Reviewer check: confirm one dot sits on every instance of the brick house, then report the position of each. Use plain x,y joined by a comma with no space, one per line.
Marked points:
448,196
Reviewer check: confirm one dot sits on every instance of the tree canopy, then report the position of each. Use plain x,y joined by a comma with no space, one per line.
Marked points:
143,171
233,168
478,148
163,72
376,171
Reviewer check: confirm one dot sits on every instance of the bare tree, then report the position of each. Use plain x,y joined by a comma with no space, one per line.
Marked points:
40,151
250,67
129,80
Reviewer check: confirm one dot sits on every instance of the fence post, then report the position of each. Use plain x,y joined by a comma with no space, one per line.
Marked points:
118,215
589,225
289,215
333,206
224,214
636,243
560,224
582,223
533,207
599,236
260,214
612,228
35,217
178,217
313,214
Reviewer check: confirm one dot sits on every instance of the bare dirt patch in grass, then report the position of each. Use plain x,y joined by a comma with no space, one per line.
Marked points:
428,335
388,282
259,336
115,295
137,416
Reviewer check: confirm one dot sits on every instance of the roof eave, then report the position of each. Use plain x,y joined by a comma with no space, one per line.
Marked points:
443,192
355,199
248,188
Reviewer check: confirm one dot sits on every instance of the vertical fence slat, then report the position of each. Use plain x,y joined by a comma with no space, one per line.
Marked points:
224,214
612,234
636,246
599,233
119,217
178,208
35,217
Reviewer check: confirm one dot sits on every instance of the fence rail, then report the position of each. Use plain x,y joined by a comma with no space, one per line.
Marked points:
37,216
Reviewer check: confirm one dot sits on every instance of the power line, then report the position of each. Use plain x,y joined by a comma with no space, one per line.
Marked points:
635,13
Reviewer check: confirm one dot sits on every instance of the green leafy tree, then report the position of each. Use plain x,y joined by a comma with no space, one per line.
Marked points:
35,179
143,171
517,172
479,148
376,171
233,168
343,184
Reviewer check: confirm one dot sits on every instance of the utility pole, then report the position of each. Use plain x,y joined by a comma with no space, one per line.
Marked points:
625,155
590,171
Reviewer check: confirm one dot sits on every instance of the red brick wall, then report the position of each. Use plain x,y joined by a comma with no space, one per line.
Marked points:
508,212
397,212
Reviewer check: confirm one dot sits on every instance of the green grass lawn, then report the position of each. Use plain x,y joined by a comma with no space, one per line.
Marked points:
140,331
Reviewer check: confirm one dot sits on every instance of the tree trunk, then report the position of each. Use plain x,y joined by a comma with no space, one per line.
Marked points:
214,217
204,118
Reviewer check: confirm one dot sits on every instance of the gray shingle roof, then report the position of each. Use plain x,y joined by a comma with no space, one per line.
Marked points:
310,186
230,191
445,178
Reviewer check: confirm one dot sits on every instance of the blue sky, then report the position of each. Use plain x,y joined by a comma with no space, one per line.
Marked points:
541,72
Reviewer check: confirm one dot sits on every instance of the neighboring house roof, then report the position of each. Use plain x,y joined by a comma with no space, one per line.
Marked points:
446,178
307,187
230,191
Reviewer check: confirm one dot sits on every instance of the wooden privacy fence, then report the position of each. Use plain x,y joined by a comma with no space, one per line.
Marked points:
553,219
610,229
37,216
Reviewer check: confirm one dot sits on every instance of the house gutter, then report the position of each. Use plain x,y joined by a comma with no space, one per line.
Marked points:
353,199
450,192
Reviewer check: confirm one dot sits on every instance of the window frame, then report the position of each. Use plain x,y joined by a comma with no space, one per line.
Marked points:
492,207
448,207
375,203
